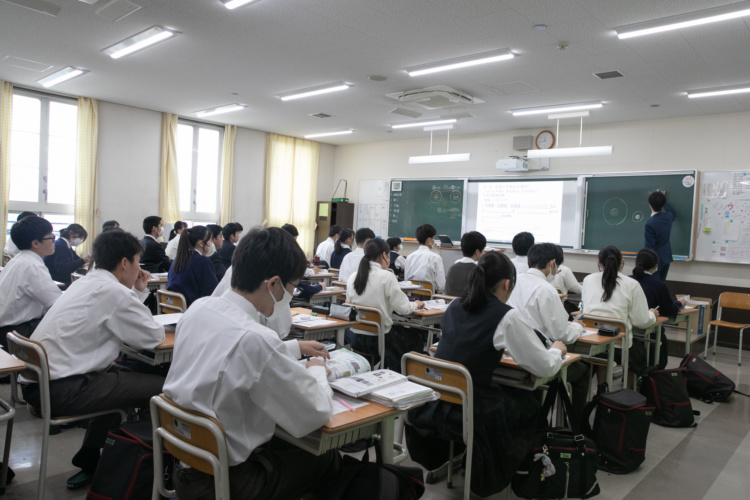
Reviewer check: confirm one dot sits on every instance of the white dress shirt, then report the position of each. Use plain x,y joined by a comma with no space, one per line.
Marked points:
538,302
400,262
566,281
521,262
382,291
515,335
628,302
84,330
425,265
171,249
10,247
465,260
26,289
325,249
350,264
228,366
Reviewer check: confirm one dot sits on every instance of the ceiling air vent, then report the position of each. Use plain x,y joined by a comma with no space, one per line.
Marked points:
320,115
608,74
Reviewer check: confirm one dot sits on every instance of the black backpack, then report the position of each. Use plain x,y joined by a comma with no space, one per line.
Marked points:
667,391
620,429
705,382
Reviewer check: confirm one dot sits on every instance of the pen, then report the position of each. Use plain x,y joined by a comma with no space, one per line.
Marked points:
345,404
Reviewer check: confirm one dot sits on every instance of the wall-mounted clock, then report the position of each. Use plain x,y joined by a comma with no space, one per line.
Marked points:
545,140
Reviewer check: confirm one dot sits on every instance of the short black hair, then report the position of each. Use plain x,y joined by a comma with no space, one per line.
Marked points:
215,230
560,255
424,232
334,231
471,242
522,242
393,242
25,214
112,246
271,252
240,226
29,229
291,229
150,222
541,253
363,234
230,229
657,200
110,224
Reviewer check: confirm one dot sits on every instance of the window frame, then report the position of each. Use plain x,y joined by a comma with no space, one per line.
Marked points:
202,218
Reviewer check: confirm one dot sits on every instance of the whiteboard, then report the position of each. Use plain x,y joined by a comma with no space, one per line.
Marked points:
723,232
373,207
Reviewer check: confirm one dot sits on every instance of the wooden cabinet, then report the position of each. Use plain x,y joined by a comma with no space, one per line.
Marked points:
331,213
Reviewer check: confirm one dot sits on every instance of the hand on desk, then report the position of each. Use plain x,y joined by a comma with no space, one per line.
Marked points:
141,282
682,301
313,349
322,287
559,345
420,304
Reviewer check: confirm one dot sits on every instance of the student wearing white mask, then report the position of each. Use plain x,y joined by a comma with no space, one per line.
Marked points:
398,261
424,264
154,258
192,273
65,260
217,241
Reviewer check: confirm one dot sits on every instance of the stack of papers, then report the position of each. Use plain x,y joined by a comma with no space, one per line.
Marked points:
168,319
405,284
438,304
403,396
310,321
159,276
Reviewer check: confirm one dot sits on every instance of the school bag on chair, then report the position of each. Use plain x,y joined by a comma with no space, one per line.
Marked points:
705,382
620,430
562,461
667,391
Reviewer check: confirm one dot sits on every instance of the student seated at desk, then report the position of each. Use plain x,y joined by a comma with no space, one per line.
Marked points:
341,248
217,241
374,286
351,261
110,224
192,273
10,247
327,247
65,260
303,291
457,281
154,259
521,244
611,294
250,381
82,334
398,262
424,264
477,330
26,288
174,239
231,233
565,281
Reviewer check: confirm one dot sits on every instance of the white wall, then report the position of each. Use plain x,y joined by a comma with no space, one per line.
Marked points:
716,142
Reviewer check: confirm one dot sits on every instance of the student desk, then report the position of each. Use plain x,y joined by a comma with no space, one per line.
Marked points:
326,296
157,283
157,356
533,382
645,336
338,283
324,277
591,345
688,315
9,364
347,427
321,332
424,319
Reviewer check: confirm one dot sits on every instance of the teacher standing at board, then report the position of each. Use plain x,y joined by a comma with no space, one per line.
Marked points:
658,229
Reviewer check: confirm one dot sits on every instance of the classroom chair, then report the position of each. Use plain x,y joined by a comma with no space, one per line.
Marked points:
8,364
33,354
593,321
370,319
170,302
455,386
425,293
729,300
194,439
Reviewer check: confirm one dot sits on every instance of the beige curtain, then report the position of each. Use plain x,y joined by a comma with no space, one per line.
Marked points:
6,108
227,174
86,206
169,186
292,185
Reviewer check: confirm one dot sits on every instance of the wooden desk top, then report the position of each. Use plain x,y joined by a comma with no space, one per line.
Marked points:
168,341
362,415
322,275
157,280
339,283
339,322
327,292
661,319
428,312
9,364
598,339
694,310
510,363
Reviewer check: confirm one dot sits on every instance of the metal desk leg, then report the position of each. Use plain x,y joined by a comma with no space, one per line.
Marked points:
625,361
340,335
657,344
687,333
610,364
386,439
10,413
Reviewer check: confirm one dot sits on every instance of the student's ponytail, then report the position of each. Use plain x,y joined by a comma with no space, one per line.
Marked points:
177,226
344,235
373,250
645,260
191,237
610,259
491,270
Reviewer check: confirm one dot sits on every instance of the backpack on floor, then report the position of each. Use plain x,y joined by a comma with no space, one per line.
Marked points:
620,430
667,391
705,382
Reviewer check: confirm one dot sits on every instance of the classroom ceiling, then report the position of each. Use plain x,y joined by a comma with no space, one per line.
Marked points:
250,54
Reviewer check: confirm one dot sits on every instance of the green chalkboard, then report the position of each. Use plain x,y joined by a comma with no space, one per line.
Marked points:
417,202
617,210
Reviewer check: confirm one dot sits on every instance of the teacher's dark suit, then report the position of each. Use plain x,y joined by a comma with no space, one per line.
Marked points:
658,230
153,260
63,262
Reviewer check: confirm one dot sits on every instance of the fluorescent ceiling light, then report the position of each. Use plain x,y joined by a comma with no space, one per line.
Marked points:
61,76
560,108
732,89
221,109
424,123
460,62
440,158
573,114
326,134
563,152
681,21
311,91
42,6
233,4
151,36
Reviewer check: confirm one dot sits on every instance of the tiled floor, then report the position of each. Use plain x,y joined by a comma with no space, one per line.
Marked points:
706,462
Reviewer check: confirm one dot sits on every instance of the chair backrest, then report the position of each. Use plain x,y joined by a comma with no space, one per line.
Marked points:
591,322
452,380
170,302
734,300
370,319
32,353
428,288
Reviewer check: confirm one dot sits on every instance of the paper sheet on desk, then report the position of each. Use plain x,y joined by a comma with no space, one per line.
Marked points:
588,332
565,358
438,304
159,276
168,319
307,320
339,408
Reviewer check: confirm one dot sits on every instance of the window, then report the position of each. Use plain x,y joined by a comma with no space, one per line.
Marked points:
43,148
58,221
198,170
